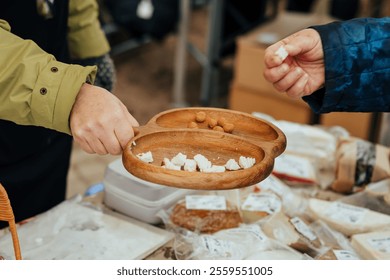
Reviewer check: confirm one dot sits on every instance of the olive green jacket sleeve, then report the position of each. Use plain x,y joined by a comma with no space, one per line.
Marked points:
35,89
86,38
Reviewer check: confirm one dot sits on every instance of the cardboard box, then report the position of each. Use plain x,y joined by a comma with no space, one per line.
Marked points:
278,106
357,124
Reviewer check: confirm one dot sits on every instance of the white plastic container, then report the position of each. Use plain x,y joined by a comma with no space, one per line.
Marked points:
118,176
135,197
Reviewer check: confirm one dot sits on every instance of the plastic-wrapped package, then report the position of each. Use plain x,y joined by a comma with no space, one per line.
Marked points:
376,197
337,244
372,245
311,142
241,243
347,219
358,163
204,212
294,232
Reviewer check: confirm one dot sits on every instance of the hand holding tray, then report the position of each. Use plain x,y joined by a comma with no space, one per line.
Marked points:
169,133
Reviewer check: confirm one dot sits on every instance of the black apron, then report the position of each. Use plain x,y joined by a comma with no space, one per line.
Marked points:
34,161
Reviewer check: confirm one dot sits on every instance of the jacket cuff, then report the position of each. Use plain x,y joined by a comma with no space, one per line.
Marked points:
55,92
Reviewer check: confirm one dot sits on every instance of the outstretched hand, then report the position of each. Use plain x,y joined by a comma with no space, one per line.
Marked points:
100,123
302,72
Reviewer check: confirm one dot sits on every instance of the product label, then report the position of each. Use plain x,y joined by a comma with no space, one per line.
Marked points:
302,228
273,184
262,202
346,213
345,255
380,244
294,166
206,202
217,246
251,229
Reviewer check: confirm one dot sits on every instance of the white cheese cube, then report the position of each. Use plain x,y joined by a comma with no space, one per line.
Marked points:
214,168
232,164
190,165
146,157
282,53
179,159
202,162
169,165
246,162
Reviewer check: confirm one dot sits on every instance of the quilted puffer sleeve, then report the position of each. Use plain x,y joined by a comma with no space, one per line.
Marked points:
357,66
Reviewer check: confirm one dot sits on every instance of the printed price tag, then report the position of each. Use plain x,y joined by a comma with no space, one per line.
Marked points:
262,202
273,184
294,166
206,202
217,246
346,213
345,255
251,229
380,244
303,228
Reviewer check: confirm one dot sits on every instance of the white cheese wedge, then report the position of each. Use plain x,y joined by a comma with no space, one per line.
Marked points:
202,162
215,169
146,157
282,53
232,164
190,165
169,165
179,159
346,218
246,162
373,245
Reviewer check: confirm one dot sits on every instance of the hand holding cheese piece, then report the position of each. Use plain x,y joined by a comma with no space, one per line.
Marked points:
295,65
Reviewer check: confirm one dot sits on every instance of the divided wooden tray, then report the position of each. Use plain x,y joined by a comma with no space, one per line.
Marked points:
168,134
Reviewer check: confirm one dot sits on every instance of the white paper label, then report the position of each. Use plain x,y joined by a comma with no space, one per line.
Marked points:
262,202
206,202
273,184
345,255
303,229
346,213
294,166
251,229
380,244
217,246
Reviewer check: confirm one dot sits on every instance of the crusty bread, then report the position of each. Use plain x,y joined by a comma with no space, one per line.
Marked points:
205,221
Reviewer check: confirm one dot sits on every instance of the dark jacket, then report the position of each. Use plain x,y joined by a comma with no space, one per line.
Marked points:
357,67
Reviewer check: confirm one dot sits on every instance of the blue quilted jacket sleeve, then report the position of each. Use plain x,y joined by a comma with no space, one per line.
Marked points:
357,67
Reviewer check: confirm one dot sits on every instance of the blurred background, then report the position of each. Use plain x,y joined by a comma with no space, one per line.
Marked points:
177,53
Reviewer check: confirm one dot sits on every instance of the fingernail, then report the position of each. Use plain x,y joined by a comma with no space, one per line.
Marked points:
284,67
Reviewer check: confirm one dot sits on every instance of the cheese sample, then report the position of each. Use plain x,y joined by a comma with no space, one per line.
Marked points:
190,165
179,159
232,164
282,53
373,245
246,162
202,162
146,157
347,219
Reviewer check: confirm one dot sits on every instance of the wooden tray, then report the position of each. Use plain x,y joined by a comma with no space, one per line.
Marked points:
167,134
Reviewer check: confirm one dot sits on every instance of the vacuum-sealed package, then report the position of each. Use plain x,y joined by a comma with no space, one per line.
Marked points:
358,163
